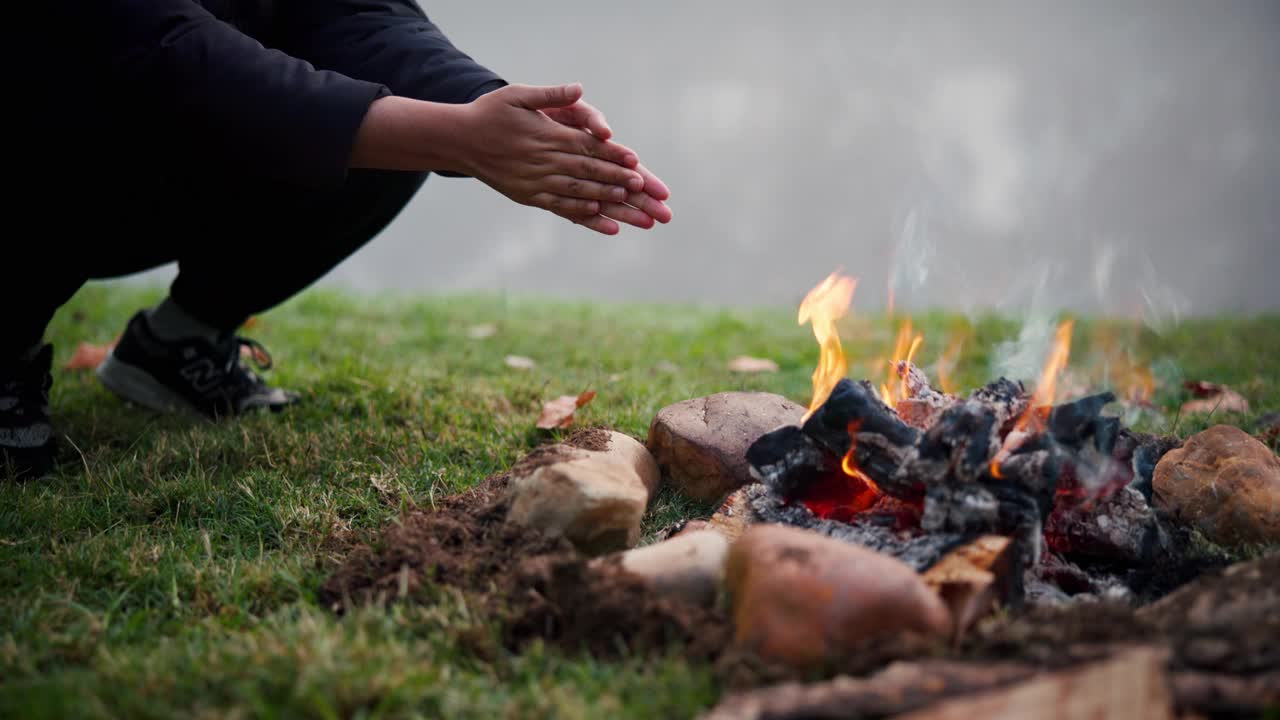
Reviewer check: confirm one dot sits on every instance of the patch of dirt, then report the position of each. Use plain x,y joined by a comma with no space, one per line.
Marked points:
592,439
597,606
532,585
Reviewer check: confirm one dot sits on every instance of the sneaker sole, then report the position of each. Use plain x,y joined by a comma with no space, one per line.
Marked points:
137,386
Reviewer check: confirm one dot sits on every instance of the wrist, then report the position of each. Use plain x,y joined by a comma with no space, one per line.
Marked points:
399,133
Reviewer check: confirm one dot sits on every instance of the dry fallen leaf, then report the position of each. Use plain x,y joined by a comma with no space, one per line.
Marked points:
1213,398
520,362
251,323
558,413
747,364
480,332
89,356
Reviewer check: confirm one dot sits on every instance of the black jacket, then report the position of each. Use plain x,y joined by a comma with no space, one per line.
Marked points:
270,88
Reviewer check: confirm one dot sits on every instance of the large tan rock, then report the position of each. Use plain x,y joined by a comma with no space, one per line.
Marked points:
701,444
1224,482
593,492
689,566
800,598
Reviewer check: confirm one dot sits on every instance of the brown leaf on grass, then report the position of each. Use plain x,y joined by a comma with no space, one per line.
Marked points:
251,323
558,413
1213,398
747,364
89,356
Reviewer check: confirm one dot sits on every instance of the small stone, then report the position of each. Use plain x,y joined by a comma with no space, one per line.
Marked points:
689,566
593,492
748,364
701,444
802,598
520,362
1224,482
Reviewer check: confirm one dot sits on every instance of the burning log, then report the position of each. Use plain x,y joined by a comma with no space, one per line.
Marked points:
922,405
949,468
1064,477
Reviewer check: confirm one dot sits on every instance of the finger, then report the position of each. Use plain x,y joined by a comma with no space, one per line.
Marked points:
653,187
541,97
582,115
588,189
578,142
600,224
626,214
568,207
589,168
593,120
654,208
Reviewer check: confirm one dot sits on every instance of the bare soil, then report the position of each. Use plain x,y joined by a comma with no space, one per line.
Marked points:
534,586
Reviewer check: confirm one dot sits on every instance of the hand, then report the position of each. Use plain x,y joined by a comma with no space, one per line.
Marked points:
515,148
640,210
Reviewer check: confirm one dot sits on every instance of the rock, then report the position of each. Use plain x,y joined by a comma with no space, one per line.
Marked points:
689,566
801,598
593,489
1224,482
701,444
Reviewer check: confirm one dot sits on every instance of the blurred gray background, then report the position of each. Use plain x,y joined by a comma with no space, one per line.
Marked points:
1121,156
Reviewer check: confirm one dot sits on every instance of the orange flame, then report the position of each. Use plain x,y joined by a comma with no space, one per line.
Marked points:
825,304
904,348
849,464
1132,381
947,364
1041,403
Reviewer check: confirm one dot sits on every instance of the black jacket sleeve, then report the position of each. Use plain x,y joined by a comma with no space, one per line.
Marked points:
222,99
391,42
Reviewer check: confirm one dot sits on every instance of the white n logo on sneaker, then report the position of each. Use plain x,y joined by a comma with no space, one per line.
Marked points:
202,374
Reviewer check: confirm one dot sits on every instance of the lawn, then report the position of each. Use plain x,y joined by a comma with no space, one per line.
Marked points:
171,566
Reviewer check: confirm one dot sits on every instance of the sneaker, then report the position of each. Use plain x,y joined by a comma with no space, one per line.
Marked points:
193,374
26,432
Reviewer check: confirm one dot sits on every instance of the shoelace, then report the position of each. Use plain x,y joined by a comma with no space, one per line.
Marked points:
252,349
257,352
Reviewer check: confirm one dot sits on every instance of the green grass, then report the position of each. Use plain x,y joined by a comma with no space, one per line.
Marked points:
171,566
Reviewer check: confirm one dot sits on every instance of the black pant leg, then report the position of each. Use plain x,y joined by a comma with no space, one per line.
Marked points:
83,230
260,244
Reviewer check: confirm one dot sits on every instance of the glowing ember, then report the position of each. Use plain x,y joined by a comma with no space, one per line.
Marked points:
840,497
825,304
1042,400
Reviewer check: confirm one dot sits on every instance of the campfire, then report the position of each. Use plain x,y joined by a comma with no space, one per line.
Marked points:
915,472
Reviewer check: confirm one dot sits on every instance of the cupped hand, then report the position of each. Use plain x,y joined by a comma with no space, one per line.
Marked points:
516,147
641,210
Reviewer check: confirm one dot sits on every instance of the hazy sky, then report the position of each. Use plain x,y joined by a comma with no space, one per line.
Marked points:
1122,155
